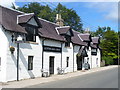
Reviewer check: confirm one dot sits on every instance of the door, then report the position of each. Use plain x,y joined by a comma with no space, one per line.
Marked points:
79,63
51,65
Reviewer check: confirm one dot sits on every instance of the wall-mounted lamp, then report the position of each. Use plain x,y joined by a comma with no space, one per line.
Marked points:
18,40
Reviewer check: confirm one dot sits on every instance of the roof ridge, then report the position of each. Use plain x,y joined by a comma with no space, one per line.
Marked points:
63,26
84,34
95,37
47,21
25,14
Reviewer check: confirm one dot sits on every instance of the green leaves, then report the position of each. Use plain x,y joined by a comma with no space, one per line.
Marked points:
108,43
108,60
69,16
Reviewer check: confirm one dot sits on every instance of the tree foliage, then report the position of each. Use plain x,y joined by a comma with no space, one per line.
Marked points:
69,16
109,43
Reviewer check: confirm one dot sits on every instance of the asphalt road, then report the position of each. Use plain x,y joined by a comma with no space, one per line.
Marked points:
101,79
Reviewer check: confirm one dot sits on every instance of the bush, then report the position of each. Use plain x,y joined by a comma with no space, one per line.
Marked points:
108,60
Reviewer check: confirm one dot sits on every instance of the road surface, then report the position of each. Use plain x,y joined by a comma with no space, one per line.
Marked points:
101,79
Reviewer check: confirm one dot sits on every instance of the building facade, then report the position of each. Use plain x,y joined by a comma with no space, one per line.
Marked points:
30,46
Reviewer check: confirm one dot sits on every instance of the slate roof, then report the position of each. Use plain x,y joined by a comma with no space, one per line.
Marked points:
85,37
95,40
24,17
8,19
93,45
63,30
48,30
76,39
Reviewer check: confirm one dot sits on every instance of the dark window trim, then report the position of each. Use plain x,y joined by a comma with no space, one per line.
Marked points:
67,61
29,62
68,40
34,34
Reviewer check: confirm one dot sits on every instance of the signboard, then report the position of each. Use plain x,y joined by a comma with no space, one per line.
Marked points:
52,49
94,51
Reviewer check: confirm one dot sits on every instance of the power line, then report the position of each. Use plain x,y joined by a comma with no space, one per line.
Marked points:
89,25
47,4
55,6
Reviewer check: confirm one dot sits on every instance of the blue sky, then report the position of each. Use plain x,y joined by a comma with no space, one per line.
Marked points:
93,14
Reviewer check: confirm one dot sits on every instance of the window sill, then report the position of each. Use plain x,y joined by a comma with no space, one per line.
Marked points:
31,42
67,47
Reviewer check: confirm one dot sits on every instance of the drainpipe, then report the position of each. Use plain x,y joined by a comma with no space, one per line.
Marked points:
61,55
42,51
73,58
17,61
91,58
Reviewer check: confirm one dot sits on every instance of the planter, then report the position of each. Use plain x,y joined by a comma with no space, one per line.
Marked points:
12,49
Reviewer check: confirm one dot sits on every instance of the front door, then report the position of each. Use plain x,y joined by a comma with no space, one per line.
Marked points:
79,63
51,65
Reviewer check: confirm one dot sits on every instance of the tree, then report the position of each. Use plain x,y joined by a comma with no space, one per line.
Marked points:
69,15
100,32
109,44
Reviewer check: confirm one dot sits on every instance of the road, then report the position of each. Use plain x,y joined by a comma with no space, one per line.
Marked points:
101,79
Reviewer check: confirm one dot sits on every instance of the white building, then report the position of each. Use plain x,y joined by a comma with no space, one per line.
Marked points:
45,46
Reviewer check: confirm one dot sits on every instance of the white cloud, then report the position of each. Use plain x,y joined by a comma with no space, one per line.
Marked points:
109,9
7,3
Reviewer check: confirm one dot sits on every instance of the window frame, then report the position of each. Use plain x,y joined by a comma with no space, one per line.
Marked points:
67,61
68,40
34,33
30,63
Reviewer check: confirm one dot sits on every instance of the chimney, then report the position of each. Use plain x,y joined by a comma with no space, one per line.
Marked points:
59,20
87,30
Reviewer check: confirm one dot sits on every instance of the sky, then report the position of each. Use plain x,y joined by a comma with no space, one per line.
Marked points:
93,13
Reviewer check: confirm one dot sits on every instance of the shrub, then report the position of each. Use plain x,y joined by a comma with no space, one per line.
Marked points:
108,60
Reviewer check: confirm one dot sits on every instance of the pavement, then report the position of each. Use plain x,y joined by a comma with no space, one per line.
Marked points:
41,80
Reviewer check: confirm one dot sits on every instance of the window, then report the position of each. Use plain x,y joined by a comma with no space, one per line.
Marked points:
97,61
67,62
30,62
31,33
94,51
88,45
87,60
68,40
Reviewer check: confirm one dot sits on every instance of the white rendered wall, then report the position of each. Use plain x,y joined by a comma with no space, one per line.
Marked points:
26,49
76,50
89,58
56,55
67,52
3,54
96,59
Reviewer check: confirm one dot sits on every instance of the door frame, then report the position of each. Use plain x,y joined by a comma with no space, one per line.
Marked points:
51,58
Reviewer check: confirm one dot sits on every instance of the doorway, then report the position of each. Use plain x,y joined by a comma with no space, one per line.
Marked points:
51,64
79,62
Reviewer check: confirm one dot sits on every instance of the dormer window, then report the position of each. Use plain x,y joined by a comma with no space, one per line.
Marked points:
31,24
31,33
68,40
